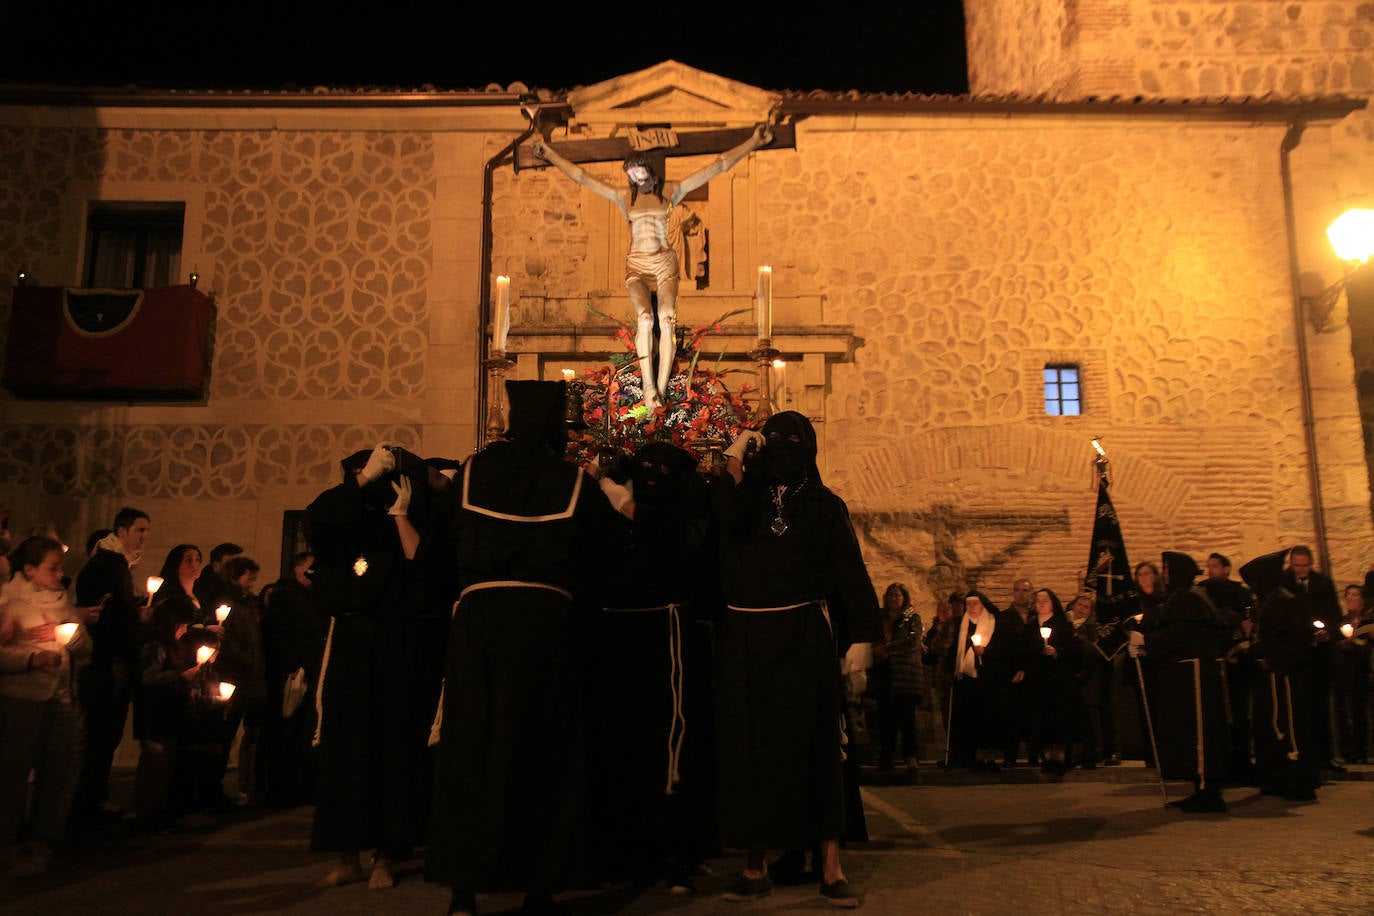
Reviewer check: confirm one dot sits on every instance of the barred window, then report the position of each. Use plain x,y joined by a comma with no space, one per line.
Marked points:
1063,394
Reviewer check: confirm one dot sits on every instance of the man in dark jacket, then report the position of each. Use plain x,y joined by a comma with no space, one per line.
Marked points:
1317,594
107,683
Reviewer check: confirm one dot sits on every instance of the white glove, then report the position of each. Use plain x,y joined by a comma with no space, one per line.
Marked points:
741,444
859,657
378,463
619,494
403,492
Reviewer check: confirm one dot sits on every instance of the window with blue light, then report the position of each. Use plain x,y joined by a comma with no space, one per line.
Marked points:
1063,393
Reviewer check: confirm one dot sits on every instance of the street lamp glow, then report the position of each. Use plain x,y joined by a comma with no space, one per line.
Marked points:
1352,235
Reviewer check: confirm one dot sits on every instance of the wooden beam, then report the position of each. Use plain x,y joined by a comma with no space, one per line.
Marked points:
696,143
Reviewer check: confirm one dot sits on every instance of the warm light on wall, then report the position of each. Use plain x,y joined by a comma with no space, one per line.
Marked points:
1352,235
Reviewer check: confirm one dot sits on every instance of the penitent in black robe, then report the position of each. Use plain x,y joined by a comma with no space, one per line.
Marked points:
1188,705
510,785
652,738
1285,746
779,703
380,680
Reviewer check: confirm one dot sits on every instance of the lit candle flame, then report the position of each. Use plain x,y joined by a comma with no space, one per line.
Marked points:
226,690
568,375
1138,617
222,613
1045,633
977,639
65,632
154,583
1319,625
359,566
204,654
1347,630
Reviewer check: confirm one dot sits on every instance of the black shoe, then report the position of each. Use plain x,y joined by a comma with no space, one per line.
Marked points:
1333,767
748,889
840,894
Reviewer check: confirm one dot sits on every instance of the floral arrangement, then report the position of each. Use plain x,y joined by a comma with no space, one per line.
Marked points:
700,405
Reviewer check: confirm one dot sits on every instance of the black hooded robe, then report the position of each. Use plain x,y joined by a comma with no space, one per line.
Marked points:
796,602
1286,753
1188,705
380,678
651,770
509,796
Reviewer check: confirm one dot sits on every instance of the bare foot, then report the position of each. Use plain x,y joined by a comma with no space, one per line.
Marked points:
344,874
382,878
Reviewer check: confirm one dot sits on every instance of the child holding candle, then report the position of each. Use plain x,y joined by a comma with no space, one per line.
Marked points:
40,723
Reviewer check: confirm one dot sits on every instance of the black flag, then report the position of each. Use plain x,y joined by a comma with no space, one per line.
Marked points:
1109,574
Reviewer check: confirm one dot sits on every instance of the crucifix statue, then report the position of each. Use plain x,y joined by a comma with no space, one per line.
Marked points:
651,266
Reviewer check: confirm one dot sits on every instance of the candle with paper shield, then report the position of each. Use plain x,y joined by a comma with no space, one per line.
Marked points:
222,613
154,583
1045,634
1347,630
204,654
226,691
65,632
1318,625
977,639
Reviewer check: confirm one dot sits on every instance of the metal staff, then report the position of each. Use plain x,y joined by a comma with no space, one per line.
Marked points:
1150,727
949,722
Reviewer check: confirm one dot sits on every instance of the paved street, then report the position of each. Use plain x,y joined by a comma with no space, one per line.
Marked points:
1097,843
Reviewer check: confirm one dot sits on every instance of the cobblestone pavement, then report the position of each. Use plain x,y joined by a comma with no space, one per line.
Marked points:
1096,843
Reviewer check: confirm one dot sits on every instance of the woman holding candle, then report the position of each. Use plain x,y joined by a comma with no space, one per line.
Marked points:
988,658
1055,659
174,717
1352,677
40,722
652,265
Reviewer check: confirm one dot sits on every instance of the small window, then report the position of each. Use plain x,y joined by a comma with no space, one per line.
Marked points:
133,244
1063,394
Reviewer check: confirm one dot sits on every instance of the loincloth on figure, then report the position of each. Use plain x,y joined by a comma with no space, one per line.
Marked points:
653,269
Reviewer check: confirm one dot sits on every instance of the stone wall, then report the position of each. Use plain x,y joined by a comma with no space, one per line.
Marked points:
968,254
317,245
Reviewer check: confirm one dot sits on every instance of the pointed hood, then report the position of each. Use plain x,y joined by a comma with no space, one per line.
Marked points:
1264,574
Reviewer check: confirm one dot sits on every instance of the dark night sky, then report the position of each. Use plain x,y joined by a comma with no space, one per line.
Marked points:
863,44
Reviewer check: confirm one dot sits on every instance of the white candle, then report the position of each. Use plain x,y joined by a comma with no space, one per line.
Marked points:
977,639
222,613
501,327
226,691
154,583
1045,633
65,632
1138,617
204,654
1347,630
764,303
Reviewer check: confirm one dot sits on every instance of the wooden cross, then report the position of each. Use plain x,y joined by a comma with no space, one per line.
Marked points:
659,141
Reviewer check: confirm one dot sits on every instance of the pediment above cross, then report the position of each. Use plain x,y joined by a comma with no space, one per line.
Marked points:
667,93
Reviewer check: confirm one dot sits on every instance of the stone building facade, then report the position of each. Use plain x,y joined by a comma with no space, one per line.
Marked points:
931,258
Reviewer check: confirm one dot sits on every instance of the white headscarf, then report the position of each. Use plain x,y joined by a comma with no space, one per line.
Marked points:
968,659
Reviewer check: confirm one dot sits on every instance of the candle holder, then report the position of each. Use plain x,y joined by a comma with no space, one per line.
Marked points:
497,366
764,354
574,416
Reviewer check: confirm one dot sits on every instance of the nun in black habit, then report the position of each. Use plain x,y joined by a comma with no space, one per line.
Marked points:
799,598
1285,752
511,776
374,535
651,766
988,657
1187,642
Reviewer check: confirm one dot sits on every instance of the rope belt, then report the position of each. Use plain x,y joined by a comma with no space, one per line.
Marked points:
436,727
319,687
677,727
